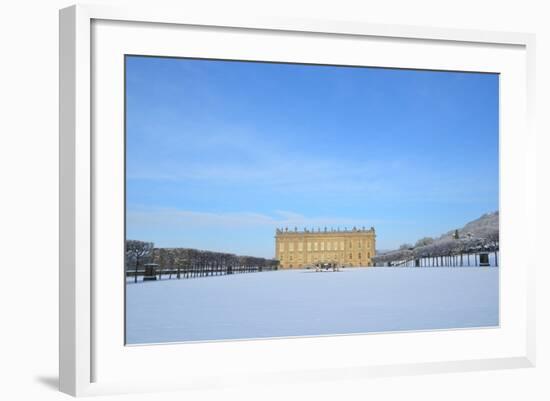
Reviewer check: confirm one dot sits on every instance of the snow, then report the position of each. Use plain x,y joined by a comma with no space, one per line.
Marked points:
306,303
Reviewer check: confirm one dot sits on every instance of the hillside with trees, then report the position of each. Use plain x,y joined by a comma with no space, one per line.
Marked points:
480,235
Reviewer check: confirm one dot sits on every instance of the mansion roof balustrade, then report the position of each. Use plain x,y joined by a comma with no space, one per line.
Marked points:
326,230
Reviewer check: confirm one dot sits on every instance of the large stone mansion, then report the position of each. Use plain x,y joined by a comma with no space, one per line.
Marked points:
299,249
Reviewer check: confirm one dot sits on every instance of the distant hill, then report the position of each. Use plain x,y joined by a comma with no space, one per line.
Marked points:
479,228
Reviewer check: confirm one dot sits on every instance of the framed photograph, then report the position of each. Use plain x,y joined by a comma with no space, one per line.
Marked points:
273,200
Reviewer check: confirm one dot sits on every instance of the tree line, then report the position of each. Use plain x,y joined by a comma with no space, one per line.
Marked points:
485,239
189,262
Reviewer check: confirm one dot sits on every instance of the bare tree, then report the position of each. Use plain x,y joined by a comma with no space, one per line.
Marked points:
170,260
137,251
423,242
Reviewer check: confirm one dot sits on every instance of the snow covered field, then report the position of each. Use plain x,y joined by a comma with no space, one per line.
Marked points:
304,303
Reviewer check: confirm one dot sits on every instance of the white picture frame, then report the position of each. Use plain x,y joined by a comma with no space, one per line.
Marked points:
84,347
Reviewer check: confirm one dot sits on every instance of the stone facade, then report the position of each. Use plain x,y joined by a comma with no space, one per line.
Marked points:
300,249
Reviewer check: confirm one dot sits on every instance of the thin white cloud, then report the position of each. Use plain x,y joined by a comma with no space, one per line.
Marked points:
236,155
194,219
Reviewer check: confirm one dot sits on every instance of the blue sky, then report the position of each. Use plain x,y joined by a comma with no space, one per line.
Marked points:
220,153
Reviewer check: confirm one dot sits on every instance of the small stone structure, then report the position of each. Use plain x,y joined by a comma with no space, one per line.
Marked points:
150,272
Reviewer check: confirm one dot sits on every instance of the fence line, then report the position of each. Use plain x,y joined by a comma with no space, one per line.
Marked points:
470,259
207,271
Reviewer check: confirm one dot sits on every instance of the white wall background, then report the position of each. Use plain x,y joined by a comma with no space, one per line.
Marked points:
29,187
